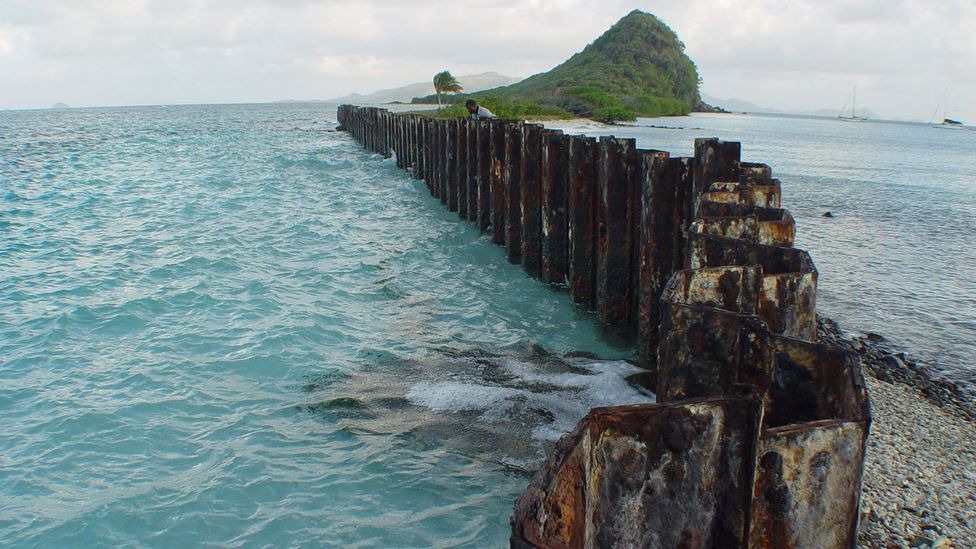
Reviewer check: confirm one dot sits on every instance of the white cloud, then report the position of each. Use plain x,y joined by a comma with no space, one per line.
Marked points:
782,53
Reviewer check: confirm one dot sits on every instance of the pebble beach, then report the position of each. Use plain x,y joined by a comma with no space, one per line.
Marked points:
919,485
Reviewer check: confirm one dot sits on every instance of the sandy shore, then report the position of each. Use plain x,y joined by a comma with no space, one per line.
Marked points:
919,486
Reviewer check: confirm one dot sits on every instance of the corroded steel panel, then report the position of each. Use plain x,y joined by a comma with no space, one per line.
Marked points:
807,486
484,175
778,232
788,303
729,227
583,155
555,224
497,182
614,231
656,203
451,164
767,195
716,251
734,289
513,196
752,173
659,475
714,161
551,512
701,352
531,198
436,157
734,197
462,168
811,382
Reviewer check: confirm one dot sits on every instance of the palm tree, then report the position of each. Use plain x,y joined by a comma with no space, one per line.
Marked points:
444,82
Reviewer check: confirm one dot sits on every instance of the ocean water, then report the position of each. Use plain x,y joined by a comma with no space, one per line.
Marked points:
229,326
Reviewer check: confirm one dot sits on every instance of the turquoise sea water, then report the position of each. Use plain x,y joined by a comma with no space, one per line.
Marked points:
229,326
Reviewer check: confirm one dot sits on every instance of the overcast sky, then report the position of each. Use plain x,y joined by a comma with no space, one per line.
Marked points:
786,54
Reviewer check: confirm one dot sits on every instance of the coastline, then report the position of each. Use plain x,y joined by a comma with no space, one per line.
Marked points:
919,484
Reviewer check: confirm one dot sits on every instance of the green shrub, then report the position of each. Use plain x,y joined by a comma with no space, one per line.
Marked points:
593,95
650,106
613,114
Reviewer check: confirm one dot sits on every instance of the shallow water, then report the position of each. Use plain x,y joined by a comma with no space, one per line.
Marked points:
230,326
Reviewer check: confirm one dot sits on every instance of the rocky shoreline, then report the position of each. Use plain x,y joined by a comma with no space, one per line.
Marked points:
919,485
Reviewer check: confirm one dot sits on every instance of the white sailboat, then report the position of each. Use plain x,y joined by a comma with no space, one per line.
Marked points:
946,121
853,116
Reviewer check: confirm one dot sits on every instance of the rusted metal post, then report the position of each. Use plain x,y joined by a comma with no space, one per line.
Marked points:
715,160
422,149
657,194
378,131
437,142
445,163
531,199
431,153
402,142
614,231
462,168
497,182
418,148
583,155
484,175
411,129
472,182
555,222
513,190
805,492
372,130
381,134
452,165
364,128
654,475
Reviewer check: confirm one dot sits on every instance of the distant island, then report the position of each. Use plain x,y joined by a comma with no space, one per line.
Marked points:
738,105
60,106
636,68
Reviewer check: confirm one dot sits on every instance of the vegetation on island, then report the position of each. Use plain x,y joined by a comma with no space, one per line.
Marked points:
636,68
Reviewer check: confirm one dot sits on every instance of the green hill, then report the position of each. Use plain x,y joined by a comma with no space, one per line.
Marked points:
637,67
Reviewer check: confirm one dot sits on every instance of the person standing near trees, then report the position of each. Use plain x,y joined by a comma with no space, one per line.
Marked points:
477,113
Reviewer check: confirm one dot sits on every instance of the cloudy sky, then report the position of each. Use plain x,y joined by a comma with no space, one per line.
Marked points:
789,54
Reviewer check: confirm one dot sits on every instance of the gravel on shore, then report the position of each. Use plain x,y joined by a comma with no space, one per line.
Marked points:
919,485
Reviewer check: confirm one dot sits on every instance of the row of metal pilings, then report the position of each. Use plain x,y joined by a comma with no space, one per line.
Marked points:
758,435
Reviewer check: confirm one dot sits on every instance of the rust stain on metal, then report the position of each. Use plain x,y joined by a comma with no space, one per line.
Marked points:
802,496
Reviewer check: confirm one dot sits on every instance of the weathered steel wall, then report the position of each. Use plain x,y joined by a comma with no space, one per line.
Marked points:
759,433
668,475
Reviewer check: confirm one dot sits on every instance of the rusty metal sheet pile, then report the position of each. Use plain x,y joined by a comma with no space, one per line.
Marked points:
759,433
805,492
658,475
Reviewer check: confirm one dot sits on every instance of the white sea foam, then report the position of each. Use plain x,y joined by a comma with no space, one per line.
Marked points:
552,400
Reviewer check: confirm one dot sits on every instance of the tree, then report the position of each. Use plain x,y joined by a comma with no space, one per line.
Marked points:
444,82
